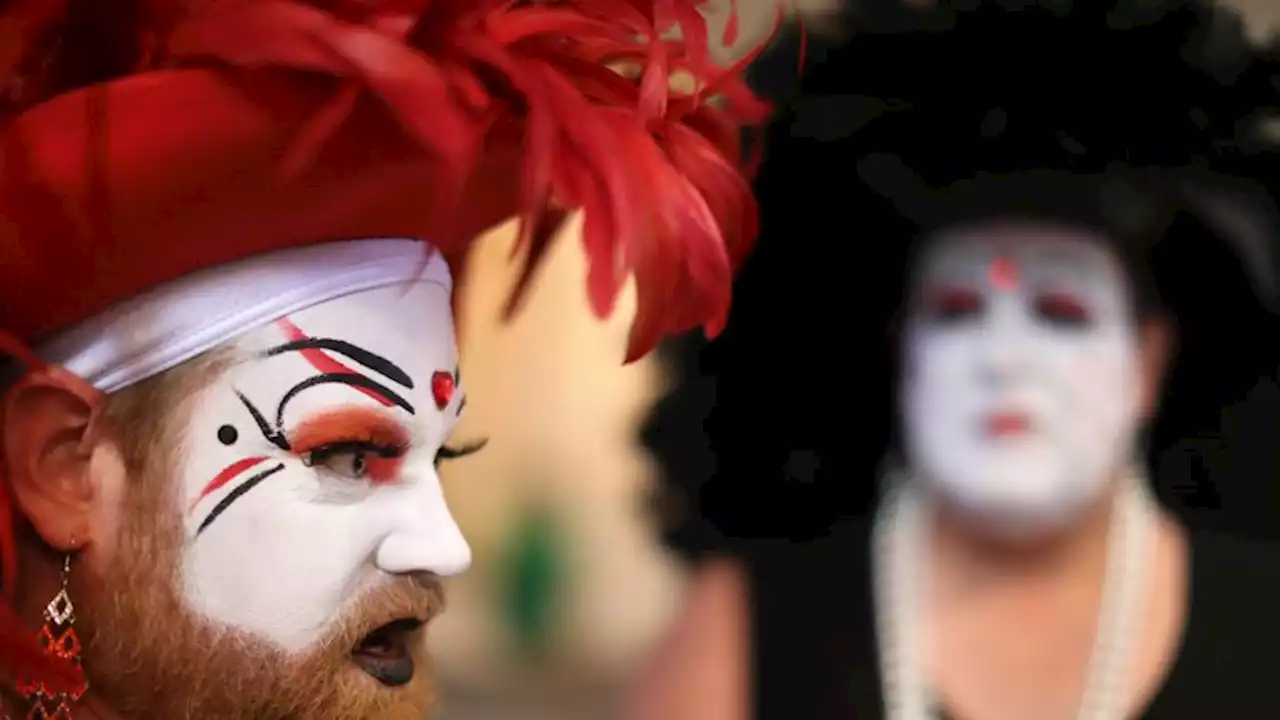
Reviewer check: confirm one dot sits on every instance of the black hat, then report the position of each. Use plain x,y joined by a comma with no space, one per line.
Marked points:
1128,116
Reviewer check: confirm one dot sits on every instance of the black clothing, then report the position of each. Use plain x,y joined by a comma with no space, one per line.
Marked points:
815,650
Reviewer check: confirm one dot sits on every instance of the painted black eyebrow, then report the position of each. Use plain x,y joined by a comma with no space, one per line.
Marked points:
273,435
236,494
351,379
371,360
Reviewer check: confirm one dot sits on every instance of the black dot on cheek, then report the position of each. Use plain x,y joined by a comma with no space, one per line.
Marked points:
228,435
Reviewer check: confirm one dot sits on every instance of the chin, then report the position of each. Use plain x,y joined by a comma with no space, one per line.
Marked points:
999,503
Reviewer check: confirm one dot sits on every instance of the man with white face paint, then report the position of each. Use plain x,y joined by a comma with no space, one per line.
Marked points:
1060,212
229,234
1023,382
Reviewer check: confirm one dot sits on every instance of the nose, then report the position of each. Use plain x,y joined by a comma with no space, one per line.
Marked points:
1004,345
425,537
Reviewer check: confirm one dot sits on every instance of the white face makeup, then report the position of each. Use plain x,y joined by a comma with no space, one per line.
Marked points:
308,471
1021,386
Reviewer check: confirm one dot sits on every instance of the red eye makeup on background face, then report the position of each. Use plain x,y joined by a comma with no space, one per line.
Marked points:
953,303
1062,309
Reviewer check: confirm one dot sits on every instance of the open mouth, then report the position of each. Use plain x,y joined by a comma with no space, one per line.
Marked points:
386,655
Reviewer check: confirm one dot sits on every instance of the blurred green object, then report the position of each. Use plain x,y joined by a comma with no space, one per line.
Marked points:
534,572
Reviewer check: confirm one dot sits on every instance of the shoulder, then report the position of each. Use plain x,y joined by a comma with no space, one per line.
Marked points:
812,626
1235,572
811,598
1235,588
700,669
1232,638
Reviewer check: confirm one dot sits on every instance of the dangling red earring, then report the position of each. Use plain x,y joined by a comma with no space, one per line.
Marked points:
58,638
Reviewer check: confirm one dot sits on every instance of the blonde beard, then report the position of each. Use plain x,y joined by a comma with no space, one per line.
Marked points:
147,655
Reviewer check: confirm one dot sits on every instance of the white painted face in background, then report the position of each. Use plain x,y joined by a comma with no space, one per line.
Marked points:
309,466
1021,388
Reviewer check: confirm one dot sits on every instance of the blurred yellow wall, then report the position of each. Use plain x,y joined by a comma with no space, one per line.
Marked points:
550,391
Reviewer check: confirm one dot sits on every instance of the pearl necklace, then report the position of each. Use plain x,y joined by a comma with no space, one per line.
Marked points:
899,572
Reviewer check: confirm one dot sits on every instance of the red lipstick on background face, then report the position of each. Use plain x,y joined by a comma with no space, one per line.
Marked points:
1007,424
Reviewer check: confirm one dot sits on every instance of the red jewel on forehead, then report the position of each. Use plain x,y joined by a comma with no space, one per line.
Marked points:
1004,274
442,387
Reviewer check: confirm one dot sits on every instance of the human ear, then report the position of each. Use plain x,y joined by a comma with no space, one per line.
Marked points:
1155,348
50,426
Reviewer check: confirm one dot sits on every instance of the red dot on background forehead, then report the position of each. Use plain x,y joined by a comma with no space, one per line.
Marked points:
1004,274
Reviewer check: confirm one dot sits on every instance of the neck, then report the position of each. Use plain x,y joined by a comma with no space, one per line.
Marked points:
965,553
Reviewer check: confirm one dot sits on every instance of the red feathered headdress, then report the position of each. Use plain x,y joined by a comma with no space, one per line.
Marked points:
144,140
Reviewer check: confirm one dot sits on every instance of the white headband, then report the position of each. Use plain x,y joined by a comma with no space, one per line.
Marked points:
175,322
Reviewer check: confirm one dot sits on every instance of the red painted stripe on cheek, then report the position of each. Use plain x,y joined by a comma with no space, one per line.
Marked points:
227,474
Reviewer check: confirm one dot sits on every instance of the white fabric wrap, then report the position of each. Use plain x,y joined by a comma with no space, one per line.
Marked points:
175,322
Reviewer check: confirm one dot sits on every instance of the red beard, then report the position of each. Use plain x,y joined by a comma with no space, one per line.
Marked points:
147,655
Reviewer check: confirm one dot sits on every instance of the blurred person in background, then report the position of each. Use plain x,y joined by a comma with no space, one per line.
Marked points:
1058,214
228,238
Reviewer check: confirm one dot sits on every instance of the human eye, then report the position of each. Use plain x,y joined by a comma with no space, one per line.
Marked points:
447,452
953,304
1063,309
354,444
356,459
